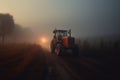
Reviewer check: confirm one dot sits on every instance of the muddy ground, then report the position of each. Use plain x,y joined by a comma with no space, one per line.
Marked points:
32,62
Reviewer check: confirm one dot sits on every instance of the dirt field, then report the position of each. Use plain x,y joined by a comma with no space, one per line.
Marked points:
31,62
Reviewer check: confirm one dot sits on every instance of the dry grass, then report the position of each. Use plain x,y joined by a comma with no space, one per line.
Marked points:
21,61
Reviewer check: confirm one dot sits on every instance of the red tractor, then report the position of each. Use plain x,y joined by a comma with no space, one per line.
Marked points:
63,41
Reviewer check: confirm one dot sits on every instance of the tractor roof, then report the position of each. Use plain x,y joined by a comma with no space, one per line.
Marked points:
59,31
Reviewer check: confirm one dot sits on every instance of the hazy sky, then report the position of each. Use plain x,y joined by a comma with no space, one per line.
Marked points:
84,17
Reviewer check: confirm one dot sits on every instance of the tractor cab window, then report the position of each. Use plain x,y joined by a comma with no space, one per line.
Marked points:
62,34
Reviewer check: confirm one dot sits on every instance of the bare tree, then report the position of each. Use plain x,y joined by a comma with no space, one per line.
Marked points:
6,25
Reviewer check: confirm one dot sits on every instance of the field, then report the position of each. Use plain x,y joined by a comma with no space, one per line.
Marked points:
107,57
32,62
20,60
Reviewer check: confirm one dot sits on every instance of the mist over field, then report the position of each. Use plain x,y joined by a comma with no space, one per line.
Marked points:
85,44
95,18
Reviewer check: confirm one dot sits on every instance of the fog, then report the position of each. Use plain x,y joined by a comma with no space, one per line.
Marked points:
88,19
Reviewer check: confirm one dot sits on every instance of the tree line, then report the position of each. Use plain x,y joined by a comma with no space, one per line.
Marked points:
7,25
9,30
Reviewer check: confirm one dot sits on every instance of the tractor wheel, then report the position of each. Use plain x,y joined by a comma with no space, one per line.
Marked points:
58,50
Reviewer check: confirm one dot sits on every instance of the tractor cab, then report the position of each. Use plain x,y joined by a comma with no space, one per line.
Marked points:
61,33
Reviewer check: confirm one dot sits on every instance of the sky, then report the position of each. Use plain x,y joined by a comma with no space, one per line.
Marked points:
85,17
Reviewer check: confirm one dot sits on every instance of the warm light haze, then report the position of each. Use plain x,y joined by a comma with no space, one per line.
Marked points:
86,18
59,39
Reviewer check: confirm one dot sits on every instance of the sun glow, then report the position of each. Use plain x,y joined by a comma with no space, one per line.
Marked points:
43,40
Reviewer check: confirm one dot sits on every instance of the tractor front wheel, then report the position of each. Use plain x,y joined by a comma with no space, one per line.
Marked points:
58,49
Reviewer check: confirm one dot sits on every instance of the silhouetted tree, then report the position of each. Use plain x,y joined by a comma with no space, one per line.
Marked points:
6,25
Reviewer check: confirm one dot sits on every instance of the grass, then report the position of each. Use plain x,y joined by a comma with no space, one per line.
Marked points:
22,61
107,57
